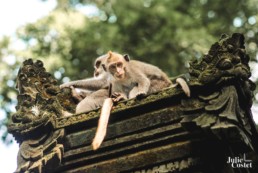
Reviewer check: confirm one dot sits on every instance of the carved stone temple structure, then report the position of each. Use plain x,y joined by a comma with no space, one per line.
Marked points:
212,131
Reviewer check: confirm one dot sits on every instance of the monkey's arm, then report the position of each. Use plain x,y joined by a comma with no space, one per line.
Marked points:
142,87
90,84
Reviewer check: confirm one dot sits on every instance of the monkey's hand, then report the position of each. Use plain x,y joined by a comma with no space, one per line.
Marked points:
65,85
118,97
77,96
141,95
137,92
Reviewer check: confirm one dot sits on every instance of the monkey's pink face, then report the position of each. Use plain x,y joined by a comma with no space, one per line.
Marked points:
98,70
117,69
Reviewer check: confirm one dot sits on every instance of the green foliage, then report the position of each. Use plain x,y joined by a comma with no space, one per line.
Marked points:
8,93
165,33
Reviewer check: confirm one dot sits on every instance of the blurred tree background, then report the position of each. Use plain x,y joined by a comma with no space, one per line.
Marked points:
162,32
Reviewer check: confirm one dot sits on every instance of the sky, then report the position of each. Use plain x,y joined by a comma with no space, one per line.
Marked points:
20,13
13,14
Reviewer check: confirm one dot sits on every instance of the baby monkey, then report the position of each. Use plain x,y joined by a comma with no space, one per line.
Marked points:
90,92
90,85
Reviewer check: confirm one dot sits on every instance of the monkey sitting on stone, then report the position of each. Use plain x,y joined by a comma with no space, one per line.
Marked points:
90,92
132,78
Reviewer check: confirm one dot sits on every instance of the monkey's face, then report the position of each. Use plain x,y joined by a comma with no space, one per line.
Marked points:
116,64
98,66
98,69
117,69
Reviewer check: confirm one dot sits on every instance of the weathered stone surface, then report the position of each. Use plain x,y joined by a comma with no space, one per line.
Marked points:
162,132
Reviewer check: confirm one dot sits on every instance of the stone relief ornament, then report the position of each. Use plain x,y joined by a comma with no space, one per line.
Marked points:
40,103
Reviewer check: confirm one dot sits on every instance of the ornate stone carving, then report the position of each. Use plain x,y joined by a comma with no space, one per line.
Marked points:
226,58
40,102
227,97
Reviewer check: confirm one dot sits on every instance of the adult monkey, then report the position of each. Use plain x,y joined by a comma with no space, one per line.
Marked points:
131,78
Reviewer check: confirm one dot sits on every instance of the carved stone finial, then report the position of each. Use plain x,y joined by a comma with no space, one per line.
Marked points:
226,60
40,102
224,74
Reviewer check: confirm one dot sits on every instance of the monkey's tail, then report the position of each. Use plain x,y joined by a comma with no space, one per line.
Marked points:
102,124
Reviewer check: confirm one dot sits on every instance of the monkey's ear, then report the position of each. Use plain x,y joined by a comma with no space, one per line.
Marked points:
127,57
110,53
104,67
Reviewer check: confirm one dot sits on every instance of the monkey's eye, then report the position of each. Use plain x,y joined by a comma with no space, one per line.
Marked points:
119,64
97,64
112,67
